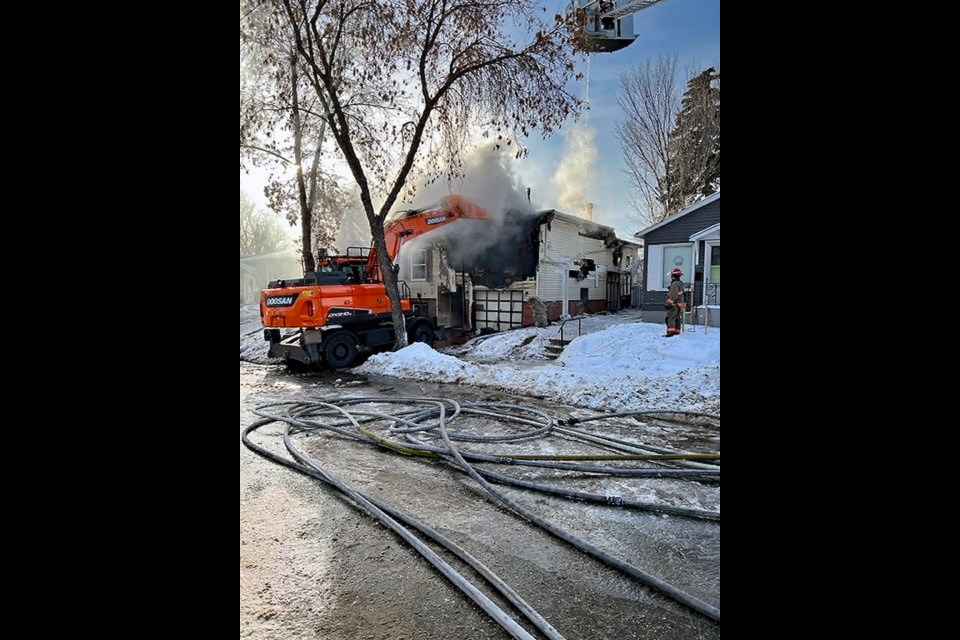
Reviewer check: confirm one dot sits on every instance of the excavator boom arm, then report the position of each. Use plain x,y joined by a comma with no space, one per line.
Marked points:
402,230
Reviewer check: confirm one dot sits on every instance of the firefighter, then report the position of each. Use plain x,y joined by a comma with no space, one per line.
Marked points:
675,303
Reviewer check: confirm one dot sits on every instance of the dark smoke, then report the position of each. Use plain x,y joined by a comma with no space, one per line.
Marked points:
511,257
489,182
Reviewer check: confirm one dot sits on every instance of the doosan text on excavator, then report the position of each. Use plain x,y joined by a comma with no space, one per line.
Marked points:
328,314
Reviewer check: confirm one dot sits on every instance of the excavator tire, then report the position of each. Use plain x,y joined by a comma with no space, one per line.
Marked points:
423,333
340,350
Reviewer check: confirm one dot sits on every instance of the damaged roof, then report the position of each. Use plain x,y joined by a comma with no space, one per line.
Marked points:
588,228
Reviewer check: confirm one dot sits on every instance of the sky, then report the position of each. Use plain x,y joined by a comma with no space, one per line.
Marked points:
689,28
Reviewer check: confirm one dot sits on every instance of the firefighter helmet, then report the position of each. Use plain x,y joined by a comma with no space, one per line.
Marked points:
675,272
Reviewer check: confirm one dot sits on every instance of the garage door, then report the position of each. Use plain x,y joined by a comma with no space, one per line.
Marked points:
499,310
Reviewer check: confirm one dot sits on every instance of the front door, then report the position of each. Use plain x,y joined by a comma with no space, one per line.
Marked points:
613,291
454,303
711,294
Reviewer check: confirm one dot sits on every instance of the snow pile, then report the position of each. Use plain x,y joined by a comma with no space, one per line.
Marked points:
420,362
618,367
530,343
518,344
641,347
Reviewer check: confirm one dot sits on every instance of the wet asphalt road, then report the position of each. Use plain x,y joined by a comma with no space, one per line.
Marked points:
313,566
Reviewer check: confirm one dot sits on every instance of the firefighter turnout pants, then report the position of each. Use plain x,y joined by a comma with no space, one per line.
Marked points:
673,319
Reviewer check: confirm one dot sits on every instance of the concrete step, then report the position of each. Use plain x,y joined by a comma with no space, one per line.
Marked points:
560,342
554,348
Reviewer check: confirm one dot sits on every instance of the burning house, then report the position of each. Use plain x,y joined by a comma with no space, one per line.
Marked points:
480,278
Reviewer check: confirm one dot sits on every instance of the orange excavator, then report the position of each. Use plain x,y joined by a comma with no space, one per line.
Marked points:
329,314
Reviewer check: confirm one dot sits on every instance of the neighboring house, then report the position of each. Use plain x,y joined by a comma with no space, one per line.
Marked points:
258,269
583,266
689,239
572,264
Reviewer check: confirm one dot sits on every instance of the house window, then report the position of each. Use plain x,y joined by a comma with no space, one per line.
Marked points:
677,256
418,265
627,266
715,264
661,258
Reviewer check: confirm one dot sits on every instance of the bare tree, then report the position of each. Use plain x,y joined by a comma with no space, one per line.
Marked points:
260,231
404,84
281,131
670,142
330,210
650,98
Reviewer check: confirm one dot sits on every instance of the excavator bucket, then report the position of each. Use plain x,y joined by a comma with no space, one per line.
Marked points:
463,206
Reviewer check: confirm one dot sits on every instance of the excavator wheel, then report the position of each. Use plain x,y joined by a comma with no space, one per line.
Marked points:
423,333
340,350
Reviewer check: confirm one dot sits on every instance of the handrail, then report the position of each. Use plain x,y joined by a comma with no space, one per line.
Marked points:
579,325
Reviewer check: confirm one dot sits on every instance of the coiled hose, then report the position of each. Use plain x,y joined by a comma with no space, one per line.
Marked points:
300,416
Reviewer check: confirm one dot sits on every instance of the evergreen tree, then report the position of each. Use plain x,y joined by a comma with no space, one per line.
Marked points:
695,140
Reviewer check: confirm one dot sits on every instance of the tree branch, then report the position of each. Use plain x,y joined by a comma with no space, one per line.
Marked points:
267,151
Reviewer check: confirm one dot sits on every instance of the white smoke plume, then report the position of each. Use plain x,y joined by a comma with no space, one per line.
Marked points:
354,228
575,173
489,181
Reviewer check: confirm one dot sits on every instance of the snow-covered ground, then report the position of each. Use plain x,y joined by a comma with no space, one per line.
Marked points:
618,364
253,348
530,343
